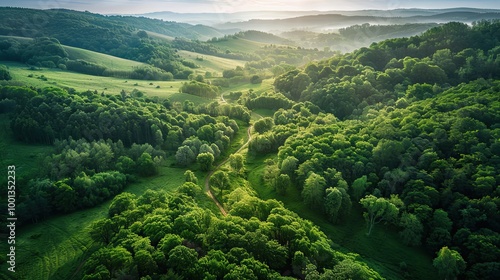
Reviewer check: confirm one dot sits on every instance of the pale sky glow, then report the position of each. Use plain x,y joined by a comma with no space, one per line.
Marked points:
227,6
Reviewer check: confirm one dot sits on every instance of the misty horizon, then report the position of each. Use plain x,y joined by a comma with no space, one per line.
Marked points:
131,7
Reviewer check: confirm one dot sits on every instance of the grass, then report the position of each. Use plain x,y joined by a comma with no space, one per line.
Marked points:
210,63
240,45
26,158
262,113
81,82
266,85
111,62
382,250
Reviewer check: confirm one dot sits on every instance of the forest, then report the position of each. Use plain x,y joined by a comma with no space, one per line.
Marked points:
403,135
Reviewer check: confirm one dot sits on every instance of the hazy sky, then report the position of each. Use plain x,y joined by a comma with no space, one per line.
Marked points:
138,6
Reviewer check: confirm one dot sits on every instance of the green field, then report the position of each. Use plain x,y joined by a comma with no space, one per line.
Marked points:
26,158
210,63
111,62
108,85
266,85
239,45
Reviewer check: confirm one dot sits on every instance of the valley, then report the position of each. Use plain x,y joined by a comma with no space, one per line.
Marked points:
274,148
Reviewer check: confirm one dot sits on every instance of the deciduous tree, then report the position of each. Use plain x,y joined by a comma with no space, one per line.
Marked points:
378,210
205,161
449,263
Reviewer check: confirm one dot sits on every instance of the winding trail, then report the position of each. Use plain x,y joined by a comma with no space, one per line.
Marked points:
207,179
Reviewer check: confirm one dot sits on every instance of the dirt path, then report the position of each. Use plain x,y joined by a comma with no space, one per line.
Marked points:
207,179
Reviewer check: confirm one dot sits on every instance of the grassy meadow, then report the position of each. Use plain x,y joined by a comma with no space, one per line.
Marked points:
80,82
210,63
239,45
111,62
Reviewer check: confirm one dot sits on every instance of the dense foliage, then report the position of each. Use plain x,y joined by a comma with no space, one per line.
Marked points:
435,161
113,136
421,151
4,73
170,236
447,55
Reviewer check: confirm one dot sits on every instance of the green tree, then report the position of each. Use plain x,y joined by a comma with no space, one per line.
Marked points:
359,187
169,242
190,177
4,73
103,230
115,260
289,165
412,229
349,269
283,182
388,153
271,173
220,180
65,197
205,161
146,165
122,202
263,125
425,73
378,210
125,165
314,190
146,265
333,202
449,263
184,156
183,260
237,162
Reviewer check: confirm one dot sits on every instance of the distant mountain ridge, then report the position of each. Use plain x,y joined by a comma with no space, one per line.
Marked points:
219,18
335,21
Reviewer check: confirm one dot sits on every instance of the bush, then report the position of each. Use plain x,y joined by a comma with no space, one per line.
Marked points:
4,73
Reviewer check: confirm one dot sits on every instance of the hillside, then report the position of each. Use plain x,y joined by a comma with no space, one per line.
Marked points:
263,37
111,62
58,21
119,36
245,158
410,125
